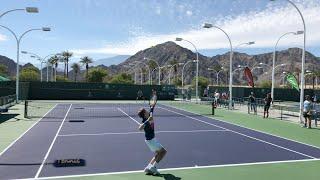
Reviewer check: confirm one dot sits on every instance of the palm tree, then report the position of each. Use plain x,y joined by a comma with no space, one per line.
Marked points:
66,55
86,61
54,60
76,70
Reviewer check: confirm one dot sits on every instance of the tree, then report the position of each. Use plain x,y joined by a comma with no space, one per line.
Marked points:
97,75
203,82
177,82
66,56
54,61
265,84
60,78
29,74
76,70
86,61
122,78
3,70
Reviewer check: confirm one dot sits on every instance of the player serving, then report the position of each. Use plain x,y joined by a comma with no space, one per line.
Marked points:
153,100
148,127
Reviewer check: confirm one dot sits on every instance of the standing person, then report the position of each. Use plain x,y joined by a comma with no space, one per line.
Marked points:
252,101
148,127
267,104
307,111
140,95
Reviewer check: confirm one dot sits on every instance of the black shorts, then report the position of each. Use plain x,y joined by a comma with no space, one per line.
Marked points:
266,107
306,115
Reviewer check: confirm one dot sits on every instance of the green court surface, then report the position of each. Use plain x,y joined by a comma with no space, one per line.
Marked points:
281,171
13,125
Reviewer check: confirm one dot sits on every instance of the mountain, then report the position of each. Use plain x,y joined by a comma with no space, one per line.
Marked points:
10,64
170,53
111,61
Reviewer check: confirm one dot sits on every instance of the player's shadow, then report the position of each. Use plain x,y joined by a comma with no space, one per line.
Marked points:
169,177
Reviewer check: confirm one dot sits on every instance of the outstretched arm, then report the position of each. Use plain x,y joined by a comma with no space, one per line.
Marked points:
143,124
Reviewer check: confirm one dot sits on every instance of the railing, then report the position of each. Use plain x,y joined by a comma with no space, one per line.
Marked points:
7,101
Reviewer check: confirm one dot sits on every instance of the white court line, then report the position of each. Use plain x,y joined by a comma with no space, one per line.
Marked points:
242,126
139,132
241,134
26,131
54,139
128,116
173,169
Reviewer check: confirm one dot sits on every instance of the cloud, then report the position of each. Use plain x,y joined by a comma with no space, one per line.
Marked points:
189,13
158,10
263,27
3,37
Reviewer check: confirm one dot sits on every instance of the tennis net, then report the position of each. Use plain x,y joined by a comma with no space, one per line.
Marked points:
87,109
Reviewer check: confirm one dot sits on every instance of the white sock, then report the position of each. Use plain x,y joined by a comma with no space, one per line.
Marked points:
154,164
149,166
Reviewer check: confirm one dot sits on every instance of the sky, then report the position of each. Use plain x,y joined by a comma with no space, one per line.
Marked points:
105,28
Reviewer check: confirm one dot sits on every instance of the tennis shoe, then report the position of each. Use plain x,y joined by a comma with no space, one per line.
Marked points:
148,171
154,171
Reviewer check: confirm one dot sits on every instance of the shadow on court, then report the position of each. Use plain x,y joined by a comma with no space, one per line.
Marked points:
6,117
168,177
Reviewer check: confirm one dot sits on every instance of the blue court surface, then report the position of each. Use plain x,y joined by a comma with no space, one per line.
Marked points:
106,137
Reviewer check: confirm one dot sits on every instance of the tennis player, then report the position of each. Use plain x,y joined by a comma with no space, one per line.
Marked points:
153,101
148,127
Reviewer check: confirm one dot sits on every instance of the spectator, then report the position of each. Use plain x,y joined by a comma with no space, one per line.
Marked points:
252,101
307,111
216,96
205,92
267,104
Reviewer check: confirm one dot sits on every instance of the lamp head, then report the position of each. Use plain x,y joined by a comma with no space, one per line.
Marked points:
251,42
32,9
46,29
24,52
299,32
207,25
179,39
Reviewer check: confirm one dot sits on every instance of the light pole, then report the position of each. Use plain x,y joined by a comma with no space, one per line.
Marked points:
257,67
302,59
159,75
170,70
244,44
43,60
38,58
217,74
182,73
197,68
27,9
140,62
274,59
207,25
18,40
135,73
284,73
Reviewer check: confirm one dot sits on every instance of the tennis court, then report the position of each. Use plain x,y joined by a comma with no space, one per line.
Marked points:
105,135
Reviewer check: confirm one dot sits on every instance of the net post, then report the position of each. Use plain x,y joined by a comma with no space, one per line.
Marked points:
25,109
